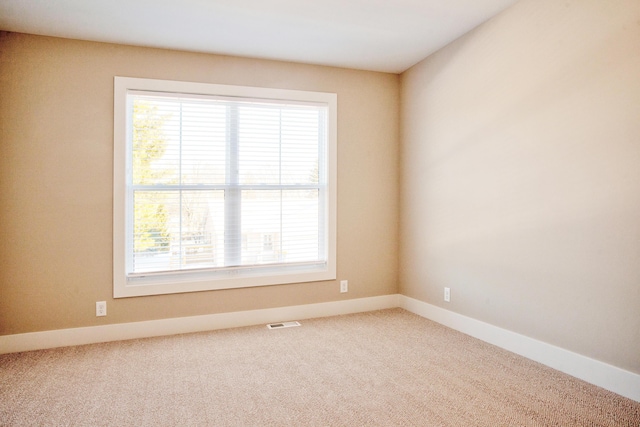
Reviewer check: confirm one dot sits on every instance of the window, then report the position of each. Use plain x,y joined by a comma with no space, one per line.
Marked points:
219,187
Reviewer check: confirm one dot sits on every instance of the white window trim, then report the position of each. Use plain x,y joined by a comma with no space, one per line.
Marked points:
233,278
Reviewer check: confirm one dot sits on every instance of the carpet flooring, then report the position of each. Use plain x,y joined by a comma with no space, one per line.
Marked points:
382,368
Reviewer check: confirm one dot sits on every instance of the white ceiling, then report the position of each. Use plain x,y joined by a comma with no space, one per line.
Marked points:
378,35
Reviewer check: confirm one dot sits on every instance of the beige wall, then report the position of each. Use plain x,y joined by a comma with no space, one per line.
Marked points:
521,176
56,159
520,180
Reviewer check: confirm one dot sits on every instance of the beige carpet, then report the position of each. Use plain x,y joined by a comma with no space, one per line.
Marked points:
384,368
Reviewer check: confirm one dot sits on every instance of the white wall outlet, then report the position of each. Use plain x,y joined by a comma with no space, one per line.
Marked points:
447,294
344,286
101,308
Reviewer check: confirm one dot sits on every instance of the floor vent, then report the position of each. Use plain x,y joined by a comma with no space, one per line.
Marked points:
282,325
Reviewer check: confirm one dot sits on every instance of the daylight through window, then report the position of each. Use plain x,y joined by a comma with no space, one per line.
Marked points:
221,186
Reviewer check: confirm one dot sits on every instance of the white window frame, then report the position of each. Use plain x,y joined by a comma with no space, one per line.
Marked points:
192,281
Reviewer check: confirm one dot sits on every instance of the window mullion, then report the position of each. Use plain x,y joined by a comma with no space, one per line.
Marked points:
322,185
280,182
180,246
129,191
232,232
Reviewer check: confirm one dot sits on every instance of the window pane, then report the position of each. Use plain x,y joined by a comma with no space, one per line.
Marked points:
261,227
280,226
155,154
300,133
259,145
300,238
179,142
178,230
202,238
151,230
203,141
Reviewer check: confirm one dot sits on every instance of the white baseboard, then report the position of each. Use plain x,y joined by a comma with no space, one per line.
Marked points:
609,377
181,325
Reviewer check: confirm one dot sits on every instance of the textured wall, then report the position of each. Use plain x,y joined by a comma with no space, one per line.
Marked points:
521,176
56,159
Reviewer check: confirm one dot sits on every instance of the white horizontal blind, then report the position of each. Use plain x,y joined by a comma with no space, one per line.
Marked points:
223,183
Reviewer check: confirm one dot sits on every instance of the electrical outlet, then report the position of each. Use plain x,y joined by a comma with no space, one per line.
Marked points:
101,308
447,294
344,286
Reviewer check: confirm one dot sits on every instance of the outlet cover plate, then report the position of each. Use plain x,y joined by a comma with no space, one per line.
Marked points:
344,286
101,308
